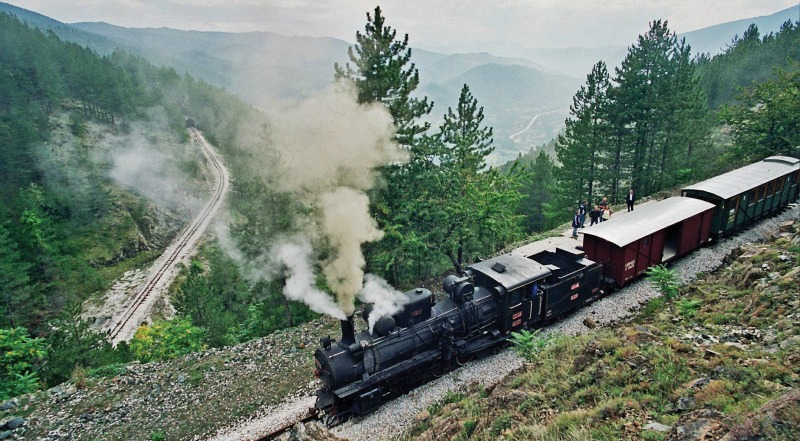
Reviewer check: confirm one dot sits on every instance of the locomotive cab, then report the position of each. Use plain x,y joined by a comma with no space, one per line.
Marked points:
515,284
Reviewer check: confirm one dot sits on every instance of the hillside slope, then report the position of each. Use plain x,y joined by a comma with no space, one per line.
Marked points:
720,361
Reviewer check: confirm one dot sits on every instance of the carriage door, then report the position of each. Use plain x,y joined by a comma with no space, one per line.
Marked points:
517,309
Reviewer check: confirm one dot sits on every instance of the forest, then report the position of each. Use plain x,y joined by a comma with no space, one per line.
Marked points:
661,119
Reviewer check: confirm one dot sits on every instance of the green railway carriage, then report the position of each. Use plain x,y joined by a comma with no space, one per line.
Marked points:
745,195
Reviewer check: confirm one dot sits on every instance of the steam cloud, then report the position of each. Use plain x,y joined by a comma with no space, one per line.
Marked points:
384,298
330,148
295,256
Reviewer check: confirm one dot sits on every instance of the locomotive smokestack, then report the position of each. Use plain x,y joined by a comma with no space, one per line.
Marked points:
348,331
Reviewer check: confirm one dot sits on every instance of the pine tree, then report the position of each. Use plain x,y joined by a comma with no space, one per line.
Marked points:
14,283
538,191
658,115
383,72
474,210
584,140
643,86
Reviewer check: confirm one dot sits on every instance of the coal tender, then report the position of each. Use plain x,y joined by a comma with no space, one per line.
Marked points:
426,339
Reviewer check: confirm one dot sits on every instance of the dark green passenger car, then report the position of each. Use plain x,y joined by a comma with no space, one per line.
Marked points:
745,195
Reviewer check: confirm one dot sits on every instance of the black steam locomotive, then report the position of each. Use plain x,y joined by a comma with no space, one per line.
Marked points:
493,298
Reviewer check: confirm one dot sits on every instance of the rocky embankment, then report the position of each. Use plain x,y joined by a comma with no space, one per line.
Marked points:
188,398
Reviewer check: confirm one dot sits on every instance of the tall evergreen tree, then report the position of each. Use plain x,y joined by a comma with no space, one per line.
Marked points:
584,139
659,117
644,80
538,190
14,279
767,119
382,71
474,210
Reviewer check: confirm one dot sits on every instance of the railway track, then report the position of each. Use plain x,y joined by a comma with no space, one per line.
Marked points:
164,271
274,434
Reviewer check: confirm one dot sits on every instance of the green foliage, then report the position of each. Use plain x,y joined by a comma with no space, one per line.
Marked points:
452,397
584,142
14,289
501,423
215,295
537,187
665,280
20,359
77,124
443,205
167,340
73,344
645,128
748,60
529,344
766,121
383,72
471,210
469,428
688,308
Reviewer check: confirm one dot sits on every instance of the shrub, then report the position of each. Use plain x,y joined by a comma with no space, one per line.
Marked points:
665,280
166,340
529,344
469,427
500,424
19,358
688,308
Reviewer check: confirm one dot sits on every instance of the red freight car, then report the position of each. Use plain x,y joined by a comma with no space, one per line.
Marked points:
652,234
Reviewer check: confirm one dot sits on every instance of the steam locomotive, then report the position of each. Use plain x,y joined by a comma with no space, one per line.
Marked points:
516,291
492,299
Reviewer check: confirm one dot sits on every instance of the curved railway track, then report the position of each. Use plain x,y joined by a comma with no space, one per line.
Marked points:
163,271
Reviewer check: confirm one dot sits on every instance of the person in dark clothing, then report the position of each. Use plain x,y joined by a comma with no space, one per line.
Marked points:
576,222
630,199
595,215
582,210
604,209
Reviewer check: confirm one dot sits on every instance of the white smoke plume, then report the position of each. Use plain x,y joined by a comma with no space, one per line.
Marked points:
384,298
295,256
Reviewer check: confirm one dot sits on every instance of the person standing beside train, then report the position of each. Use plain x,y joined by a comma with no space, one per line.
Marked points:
595,215
630,199
576,222
582,210
605,209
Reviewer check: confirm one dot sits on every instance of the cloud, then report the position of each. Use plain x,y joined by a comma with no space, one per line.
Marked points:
543,23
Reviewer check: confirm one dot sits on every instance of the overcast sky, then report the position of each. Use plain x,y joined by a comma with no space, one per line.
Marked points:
429,23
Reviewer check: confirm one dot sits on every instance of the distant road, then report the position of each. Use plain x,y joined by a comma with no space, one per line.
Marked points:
515,136
164,270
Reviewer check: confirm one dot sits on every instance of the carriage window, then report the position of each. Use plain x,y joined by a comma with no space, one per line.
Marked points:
779,184
771,188
753,196
762,192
